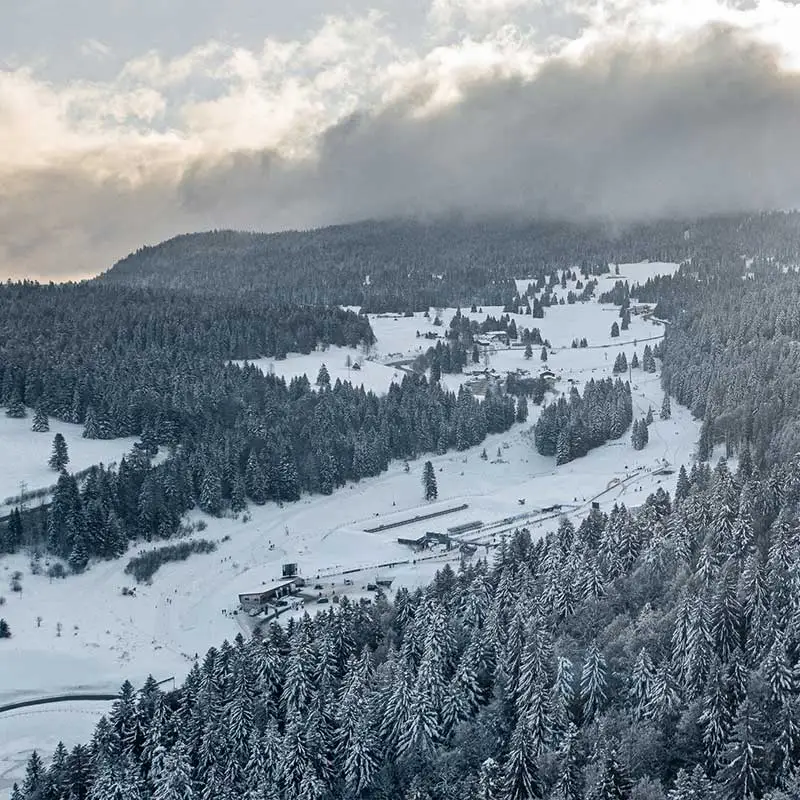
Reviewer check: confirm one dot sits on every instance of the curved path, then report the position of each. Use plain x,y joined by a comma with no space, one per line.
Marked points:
60,698
68,698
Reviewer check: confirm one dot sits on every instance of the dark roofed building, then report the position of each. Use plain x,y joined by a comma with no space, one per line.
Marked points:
258,599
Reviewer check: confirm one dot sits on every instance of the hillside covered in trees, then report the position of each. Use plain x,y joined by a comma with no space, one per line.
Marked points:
155,364
646,656
412,265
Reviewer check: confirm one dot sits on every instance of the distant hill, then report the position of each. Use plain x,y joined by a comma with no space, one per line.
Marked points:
399,265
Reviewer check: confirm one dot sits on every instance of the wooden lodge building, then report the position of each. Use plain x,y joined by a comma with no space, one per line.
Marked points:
268,593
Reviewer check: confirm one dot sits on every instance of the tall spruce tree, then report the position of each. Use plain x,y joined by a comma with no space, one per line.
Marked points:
323,378
429,481
59,458
41,423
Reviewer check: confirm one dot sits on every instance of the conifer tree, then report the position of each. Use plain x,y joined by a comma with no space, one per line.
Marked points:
78,558
323,378
34,775
593,682
255,480
682,486
636,436
14,532
429,481
173,780
741,777
59,457
717,716
15,408
288,480
693,785
666,410
521,779
563,447
211,492
641,682
614,781
238,496
41,424
91,428
639,434
705,444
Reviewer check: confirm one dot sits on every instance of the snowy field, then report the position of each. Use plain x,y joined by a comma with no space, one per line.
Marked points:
24,454
107,637
41,728
371,374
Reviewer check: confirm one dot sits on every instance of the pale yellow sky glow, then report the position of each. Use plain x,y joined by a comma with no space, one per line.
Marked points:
472,104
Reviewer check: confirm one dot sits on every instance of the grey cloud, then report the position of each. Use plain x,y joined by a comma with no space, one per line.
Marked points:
630,133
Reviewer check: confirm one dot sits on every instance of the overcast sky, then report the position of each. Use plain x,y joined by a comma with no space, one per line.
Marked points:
123,122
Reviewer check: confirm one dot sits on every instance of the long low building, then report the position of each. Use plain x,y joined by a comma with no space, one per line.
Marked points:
267,593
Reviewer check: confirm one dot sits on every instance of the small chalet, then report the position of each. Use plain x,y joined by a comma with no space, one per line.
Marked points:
489,338
547,375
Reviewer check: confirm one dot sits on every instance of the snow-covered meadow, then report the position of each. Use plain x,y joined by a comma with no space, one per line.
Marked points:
107,637
24,454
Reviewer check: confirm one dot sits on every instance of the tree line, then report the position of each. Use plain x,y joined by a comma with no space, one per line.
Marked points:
273,441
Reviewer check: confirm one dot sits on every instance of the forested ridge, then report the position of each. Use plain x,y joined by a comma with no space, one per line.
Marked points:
414,265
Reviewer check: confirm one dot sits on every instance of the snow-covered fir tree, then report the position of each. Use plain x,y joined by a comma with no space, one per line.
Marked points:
429,481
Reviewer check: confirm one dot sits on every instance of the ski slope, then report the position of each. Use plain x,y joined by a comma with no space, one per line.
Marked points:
107,637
